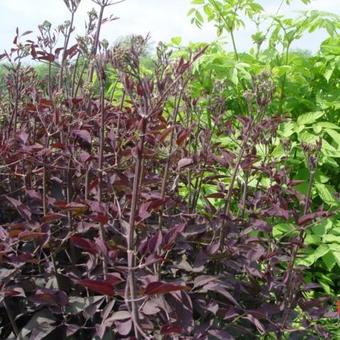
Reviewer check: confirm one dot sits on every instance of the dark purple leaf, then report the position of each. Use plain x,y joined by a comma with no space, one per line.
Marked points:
150,307
124,327
261,225
72,329
170,237
98,286
171,329
310,217
257,323
277,211
154,288
84,244
84,135
50,297
184,162
219,334
24,211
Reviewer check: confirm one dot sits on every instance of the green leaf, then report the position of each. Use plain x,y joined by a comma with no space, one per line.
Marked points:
176,41
325,286
208,11
281,70
329,260
302,174
329,150
328,73
322,227
279,151
191,11
283,229
321,177
331,46
234,76
309,118
335,136
307,137
317,129
287,129
332,239
336,254
312,239
336,231
199,17
326,193
334,246
328,125
310,259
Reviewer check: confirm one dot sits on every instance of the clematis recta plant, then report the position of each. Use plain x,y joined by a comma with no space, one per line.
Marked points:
124,215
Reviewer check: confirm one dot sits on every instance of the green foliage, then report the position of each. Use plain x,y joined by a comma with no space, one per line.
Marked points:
225,14
307,93
322,254
2,77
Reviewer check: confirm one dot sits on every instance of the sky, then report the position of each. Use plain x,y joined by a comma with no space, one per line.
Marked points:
163,19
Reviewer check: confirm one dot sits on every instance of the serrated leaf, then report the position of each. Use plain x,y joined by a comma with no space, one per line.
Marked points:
234,76
308,138
282,230
287,129
325,286
281,70
317,129
309,118
322,227
336,255
328,73
328,150
208,11
326,193
329,238
279,151
335,136
310,259
329,260
312,239
198,17
328,125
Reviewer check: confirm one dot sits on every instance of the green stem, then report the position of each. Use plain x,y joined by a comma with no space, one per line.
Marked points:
227,26
284,79
234,44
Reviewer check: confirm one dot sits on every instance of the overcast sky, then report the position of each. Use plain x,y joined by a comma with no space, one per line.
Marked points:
162,18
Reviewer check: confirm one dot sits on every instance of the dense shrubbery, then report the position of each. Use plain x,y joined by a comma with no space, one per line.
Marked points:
189,194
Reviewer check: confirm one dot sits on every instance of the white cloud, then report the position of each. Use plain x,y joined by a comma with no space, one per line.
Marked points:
327,5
